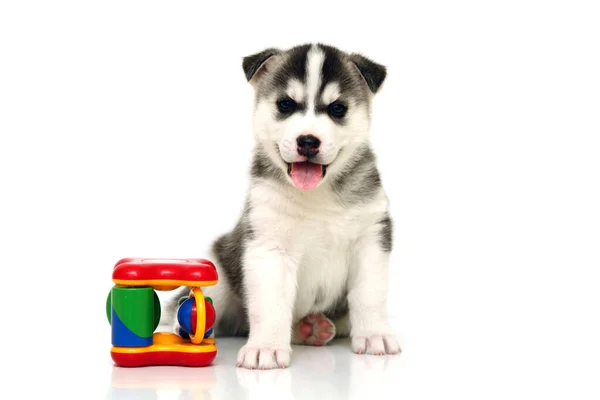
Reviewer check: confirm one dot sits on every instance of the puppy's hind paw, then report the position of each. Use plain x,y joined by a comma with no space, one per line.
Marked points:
313,330
263,358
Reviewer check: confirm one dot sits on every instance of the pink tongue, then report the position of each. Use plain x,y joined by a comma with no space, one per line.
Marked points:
306,175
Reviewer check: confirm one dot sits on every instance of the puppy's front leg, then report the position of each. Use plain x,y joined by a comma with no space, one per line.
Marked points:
367,297
270,290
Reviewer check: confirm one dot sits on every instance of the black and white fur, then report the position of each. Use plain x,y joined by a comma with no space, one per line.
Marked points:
296,252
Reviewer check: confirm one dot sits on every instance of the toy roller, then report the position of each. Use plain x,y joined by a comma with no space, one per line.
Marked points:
133,310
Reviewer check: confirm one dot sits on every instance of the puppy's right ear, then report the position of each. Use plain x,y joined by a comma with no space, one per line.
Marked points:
256,65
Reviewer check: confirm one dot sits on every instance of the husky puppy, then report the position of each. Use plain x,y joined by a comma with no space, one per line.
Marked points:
308,259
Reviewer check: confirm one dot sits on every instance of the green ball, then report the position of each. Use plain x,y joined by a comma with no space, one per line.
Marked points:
156,313
181,300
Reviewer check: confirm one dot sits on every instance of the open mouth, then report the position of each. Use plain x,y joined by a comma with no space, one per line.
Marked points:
306,175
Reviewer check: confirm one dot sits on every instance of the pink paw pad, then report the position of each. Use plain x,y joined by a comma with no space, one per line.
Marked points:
316,330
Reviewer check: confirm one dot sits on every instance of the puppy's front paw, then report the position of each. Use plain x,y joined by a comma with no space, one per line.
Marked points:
263,358
375,344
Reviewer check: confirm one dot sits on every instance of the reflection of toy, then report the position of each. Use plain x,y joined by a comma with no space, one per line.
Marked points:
162,382
133,309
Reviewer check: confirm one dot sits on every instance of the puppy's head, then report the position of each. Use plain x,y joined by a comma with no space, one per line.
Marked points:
312,108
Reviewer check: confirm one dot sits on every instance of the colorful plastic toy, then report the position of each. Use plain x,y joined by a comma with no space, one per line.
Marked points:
133,310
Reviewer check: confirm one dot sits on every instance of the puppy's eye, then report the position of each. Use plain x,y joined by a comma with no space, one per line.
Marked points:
337,110
286,106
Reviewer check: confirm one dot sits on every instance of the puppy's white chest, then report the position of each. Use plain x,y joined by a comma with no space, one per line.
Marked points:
317,234
323,248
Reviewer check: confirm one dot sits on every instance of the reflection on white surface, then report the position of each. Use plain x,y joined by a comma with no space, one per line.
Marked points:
331,372
161,382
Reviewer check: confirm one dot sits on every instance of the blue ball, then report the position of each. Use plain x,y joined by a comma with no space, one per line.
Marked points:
184,316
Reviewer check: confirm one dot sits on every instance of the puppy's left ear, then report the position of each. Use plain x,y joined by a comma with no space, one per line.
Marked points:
256,65
373,73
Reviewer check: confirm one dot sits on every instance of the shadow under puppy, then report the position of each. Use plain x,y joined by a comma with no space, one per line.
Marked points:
308,259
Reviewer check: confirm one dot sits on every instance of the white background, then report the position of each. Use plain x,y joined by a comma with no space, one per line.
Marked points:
125,131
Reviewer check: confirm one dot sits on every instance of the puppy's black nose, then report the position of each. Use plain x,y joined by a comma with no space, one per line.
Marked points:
308,145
